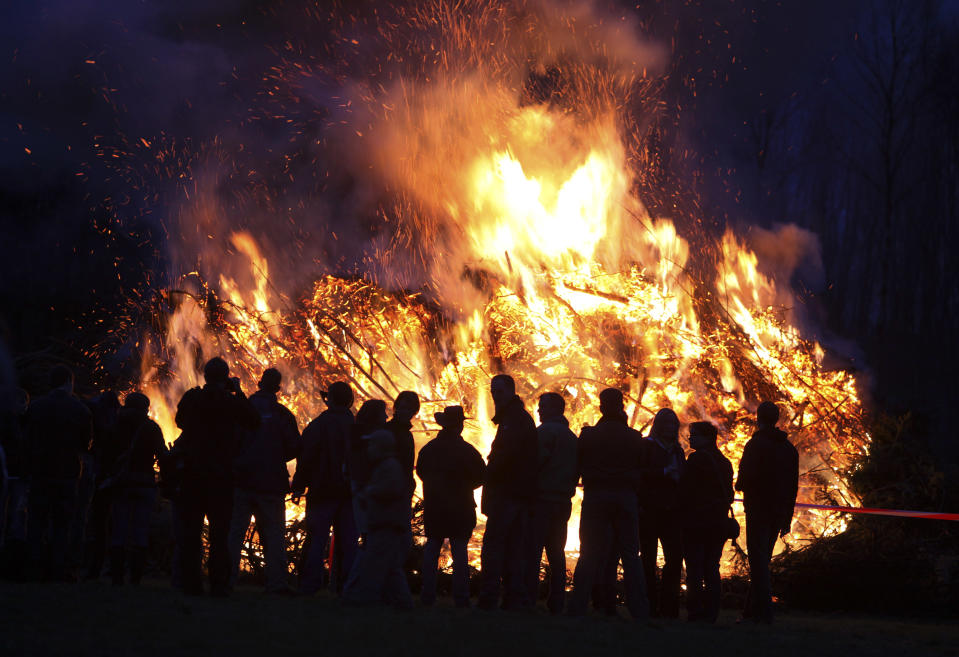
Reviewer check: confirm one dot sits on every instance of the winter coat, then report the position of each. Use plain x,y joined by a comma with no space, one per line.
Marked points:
450,469
383,498
405,449
59,428
212,419
558,469
769,477
321,468
144,446
610,456
659,492
706,488
261,464
511,465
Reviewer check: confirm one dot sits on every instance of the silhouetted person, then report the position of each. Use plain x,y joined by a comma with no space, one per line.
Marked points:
134,488
263,481
509,489
369,418
105,409
555,486
610,461
405,408
450,469
378,576
13,505
660,521
705,492
212,419
769,481
59,429
321,473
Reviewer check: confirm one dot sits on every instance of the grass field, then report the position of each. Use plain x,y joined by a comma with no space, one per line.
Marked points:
95,619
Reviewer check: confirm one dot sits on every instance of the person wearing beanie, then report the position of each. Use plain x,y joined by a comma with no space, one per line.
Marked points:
263,481
133,485
705,493
321,475
769,481
556,480
450,469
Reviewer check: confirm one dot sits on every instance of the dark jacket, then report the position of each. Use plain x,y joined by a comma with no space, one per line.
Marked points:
146,448
112,445
610,456
321,469
450,469
212,419
59,428
261,464
659,492
706,488
405,449
383,498
13,441
769,477
558,470
511,466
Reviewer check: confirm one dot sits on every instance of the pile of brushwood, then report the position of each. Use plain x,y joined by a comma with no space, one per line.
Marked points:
883,564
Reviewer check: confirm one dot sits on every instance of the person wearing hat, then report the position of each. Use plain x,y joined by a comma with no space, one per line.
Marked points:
212,419
705,493
262,481
379,577
321,475
450,469
610,461
769,481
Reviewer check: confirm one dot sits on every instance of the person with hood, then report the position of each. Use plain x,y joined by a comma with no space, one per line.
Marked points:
509,489
134,487
59,430
405,407
705,493
321,474
610,463
379,577
555,486
769,481
660,521
212,419
263,481
450,469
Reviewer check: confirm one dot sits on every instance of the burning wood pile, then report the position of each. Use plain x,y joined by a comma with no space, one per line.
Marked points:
516,206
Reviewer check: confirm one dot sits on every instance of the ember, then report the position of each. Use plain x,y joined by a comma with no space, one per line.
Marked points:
538,259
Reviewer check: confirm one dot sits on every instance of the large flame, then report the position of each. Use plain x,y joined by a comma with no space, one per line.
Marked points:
542,263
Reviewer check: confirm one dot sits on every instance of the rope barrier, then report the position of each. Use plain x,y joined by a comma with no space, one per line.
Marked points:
896,513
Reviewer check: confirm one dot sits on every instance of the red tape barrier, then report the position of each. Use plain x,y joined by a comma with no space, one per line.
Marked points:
898,513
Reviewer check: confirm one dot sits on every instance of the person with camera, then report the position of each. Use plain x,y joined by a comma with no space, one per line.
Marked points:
705,493
212,419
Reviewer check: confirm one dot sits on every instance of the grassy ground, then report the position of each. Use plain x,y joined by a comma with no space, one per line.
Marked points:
95,619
